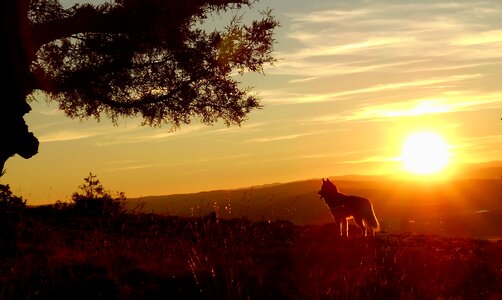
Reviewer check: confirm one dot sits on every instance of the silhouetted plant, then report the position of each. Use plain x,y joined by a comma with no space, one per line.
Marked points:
147,58
10,209
9,201
93,199
61,205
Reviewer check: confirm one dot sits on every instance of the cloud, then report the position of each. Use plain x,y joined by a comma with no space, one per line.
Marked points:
335,157
128,165
458,101
341,95
282,137
480,38
344,38
147,135
304,79
67,135
277,138
481,140
198,171
218,158
246,127
330,16
131,168
291,157
479,148
51,112
371,159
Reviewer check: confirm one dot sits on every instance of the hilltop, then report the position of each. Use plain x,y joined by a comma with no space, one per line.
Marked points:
464,206
148,256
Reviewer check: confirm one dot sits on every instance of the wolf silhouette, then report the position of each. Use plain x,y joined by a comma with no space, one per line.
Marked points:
345,207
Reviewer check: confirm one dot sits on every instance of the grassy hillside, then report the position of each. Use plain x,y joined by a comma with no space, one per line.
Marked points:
468,207
147,256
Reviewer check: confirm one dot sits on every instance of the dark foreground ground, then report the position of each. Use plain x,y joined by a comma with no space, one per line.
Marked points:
160,257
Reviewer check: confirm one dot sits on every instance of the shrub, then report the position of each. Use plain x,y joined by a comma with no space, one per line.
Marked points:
8,200
93,199
10,208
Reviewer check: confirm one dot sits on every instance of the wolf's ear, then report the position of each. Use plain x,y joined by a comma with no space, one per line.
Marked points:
328,180
323,180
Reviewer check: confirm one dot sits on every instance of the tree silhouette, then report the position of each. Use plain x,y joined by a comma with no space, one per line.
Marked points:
9,201
145,58
95,200
11,207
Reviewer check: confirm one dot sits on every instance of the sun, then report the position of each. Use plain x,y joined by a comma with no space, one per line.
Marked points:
425,153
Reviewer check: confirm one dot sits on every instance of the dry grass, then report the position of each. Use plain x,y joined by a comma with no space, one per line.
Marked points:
146,256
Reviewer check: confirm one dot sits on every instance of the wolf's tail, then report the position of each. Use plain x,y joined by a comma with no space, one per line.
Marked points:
372,219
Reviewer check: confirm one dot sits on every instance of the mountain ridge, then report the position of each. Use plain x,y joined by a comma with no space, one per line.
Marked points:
435,206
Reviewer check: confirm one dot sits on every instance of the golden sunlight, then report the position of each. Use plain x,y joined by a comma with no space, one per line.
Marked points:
425,153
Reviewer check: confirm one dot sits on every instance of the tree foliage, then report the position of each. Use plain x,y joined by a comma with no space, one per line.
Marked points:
147,58
9,201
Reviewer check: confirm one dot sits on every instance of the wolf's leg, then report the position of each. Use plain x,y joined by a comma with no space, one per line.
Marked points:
369,229
360,224
339,223
371,232
345,227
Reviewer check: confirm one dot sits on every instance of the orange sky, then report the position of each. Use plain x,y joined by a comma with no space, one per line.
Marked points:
355,78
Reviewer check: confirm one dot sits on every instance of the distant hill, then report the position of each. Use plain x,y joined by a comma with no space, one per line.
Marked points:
488,170
453,207
295,201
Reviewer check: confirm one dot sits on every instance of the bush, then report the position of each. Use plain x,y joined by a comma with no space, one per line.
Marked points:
94,200
11,207
8,201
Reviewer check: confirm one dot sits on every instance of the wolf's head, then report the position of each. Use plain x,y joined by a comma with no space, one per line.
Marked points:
329,193
328,189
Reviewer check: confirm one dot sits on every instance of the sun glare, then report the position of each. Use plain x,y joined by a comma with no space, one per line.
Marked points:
424,153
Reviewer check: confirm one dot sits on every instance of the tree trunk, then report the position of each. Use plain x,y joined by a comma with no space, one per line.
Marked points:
16,81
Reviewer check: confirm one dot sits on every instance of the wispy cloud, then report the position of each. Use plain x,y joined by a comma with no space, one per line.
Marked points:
217,158
342,39
67,135
304,79
340,95
480,38
479,148
481,141
335,157
277,138
198,171
282,137
371,159
247,127
131,168
131,165
457,101
50,112
147,135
